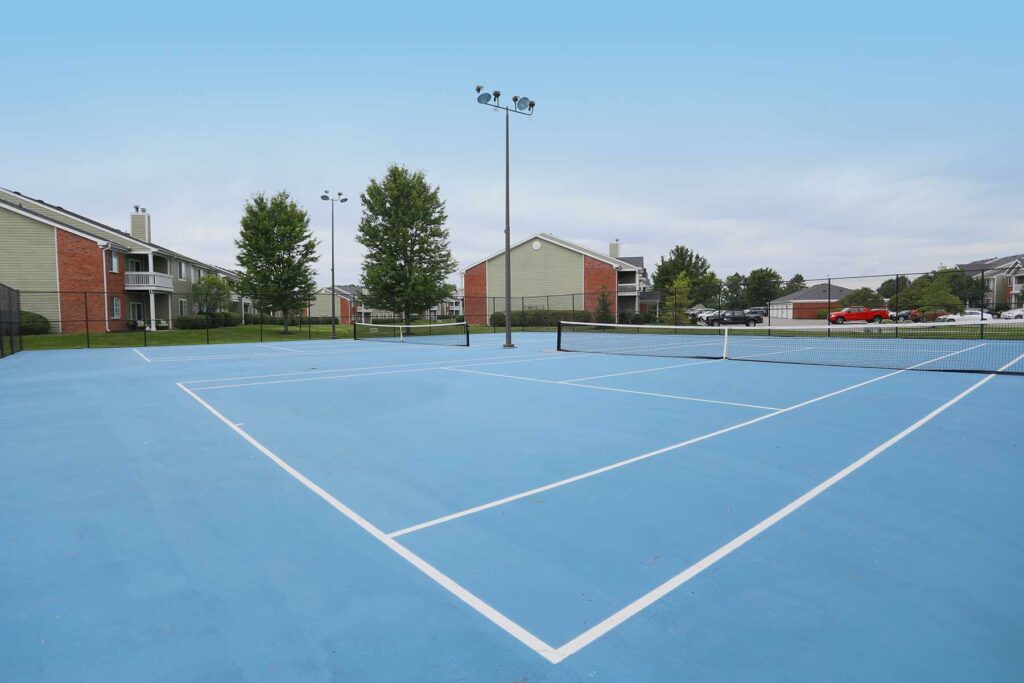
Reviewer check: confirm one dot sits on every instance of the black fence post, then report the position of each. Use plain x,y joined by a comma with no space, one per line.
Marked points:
209,321
828,313
85,299
261,325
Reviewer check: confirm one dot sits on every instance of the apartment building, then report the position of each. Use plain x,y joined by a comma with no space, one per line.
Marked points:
82,274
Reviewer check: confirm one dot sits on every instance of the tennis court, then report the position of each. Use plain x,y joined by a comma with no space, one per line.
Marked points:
635,507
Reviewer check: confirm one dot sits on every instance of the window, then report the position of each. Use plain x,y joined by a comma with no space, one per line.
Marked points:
135,309
115,308
195,275
181,270
182,306
112,259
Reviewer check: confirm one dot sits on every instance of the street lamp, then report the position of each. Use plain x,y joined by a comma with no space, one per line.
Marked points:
340,200
520,105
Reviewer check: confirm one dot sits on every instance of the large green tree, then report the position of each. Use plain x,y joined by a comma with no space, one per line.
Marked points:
677,299
864,296
680,260
967,287
893,286
794,284
734,292
705,288
930,294
211,294
763,285
276,251
408,256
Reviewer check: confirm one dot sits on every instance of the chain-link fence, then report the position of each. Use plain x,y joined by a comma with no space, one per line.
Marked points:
69,319
10,321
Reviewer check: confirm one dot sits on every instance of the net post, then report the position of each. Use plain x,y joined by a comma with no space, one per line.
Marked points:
467,332
558,343
355,335
725,343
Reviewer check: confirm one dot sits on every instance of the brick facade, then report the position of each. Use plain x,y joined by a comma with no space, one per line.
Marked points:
808,310
598,275
476,294
80,266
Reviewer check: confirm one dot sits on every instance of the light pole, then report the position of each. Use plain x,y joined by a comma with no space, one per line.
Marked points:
340,200
520,105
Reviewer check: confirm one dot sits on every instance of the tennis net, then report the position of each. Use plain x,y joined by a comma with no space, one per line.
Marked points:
442,334
989,347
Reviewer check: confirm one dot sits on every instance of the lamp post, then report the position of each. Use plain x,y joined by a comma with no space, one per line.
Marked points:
339,200
520,105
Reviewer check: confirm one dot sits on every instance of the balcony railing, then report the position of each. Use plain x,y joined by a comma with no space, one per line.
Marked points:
628,288
143,280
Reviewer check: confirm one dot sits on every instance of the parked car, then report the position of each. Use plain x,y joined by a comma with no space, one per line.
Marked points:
852,313
731,318
970,315
758,312
1013,314
910,314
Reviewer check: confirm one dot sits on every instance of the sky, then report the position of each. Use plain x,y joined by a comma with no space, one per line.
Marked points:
808,137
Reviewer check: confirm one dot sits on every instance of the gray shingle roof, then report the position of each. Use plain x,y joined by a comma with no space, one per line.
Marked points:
815,293
994,263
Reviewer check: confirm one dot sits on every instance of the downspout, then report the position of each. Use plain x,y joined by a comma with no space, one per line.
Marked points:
103,267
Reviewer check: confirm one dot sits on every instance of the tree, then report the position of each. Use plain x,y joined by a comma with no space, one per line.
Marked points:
680,260
408,256
276,251
763,285
794,284
705,288
930,294
678,298
211,294
967,287
893,285
865,296
604,314
734,293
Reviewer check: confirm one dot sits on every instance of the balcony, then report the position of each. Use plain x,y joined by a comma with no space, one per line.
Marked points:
628,288
136,280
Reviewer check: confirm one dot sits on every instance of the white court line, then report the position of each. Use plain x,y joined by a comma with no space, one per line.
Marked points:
142,354
494,616
637,372
567,383
651,454
350,373
598,630
282,348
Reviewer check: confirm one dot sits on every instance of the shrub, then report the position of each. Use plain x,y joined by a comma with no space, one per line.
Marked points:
33,323
232,319
190,322
539,318
822,314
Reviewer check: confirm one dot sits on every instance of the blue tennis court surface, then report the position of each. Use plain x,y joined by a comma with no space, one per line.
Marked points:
336,511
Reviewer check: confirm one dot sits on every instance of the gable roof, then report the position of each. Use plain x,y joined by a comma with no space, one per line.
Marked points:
40,218
102,231
818,292
558,241
995,263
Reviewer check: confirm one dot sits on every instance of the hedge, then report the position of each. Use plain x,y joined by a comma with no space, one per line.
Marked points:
540,318
33,323
201,321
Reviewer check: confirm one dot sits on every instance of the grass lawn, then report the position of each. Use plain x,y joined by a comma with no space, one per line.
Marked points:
220,335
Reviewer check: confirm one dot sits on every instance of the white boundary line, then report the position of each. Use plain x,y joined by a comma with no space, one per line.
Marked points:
568,383
142,355
637,372
351,373
649,454
282,348
494,616
598,630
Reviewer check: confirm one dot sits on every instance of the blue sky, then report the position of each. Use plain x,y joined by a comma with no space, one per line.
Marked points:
806,137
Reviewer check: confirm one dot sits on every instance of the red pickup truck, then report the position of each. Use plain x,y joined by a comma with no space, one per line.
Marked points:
850,313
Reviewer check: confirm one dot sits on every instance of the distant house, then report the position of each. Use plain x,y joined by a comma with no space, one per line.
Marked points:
1004,279
80,273
554,274
805,303
347,306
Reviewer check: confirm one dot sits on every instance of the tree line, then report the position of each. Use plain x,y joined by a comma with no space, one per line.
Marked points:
687,280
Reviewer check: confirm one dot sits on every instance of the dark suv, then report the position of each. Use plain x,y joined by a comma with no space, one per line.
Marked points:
731,318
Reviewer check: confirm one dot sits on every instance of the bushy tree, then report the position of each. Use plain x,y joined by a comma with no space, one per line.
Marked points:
967,287
604,313
893,285
763,285
928,293
678,297
705,289
276,251
408,256
865,296
794,284
734,292
211,294
680,260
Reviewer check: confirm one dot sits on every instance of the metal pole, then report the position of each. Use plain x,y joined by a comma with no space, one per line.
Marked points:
334,332
508,251
85,297
828,314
